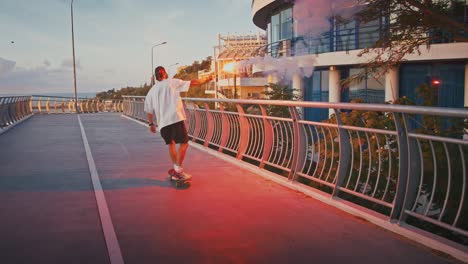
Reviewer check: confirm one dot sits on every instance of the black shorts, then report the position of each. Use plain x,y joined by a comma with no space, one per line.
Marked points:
176,132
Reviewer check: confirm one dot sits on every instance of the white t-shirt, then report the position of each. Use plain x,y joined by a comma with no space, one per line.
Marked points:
163,99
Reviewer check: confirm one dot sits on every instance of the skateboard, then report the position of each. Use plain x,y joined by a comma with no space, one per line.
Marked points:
184,182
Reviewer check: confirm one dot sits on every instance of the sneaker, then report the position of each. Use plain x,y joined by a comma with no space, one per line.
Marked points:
177,177
184,176
173,175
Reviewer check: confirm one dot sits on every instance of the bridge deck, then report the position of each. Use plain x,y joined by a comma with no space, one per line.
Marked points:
228,215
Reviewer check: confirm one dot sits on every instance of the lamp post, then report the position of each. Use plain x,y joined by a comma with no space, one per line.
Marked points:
231,67
74,65
169,67
155,45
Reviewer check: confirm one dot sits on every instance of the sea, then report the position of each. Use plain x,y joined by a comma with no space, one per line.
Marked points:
80,95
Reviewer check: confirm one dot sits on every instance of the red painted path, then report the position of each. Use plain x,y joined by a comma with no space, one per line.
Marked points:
228,215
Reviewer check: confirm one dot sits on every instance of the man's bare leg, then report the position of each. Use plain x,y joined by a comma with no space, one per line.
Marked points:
182,150
173,152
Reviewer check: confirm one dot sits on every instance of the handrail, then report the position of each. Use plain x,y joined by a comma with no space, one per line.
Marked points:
14,109
374,155
439,111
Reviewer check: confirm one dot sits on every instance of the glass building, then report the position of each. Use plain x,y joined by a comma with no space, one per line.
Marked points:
335,47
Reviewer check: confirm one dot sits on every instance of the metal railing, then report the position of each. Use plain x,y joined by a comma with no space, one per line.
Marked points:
134,106
331,41
57,104
407,163
15,108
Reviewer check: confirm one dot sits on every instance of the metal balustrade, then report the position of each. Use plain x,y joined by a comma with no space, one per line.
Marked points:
13,109
16,108
57,104
407,163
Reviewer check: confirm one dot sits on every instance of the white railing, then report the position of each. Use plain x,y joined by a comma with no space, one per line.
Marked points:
14,109
407,163
57,104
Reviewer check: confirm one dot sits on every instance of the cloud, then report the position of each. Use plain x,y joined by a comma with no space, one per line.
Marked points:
68,63
6,66
47,79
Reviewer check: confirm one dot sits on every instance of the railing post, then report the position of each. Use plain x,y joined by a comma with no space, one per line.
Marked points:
268,137
225,130
210,128
244,132
10,116
17,109
345,154
402,168
299,146
414,172
2,112
86,106
47,105
12,110
131,106
62,105
25,106
55,105
31,102
39,104
69,105
197,124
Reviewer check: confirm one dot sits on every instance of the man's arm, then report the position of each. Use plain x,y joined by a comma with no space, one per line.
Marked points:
152,126
198,82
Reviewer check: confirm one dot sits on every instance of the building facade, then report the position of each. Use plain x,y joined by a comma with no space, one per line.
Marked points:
233,81
335,52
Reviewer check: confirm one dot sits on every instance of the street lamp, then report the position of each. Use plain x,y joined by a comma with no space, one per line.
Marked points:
152,65
231,67
169,68
74,65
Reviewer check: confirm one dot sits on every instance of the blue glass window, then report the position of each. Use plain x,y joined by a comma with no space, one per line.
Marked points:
286,24
369,34
340,37
275,28
316,90
346,36
451,90
369,90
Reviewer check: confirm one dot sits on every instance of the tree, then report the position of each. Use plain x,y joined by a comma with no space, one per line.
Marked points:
280,92
411,25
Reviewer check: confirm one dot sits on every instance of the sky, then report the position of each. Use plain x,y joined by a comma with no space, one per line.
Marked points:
113,40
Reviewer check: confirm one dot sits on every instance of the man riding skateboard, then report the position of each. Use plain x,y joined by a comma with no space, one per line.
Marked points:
164,101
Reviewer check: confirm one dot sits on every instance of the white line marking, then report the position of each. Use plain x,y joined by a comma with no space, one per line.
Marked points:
135,120
113,248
